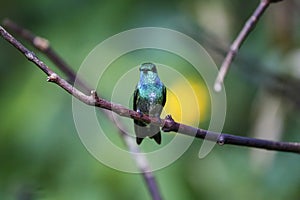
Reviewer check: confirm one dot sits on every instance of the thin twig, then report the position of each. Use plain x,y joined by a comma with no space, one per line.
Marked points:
248,27
43,45
255,72
168,124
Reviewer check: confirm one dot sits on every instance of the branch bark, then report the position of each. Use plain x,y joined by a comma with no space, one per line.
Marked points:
246,30
167,124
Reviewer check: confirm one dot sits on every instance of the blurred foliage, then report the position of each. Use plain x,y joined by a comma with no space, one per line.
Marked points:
41,154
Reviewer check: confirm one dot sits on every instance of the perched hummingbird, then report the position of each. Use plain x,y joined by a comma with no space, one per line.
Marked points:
149,98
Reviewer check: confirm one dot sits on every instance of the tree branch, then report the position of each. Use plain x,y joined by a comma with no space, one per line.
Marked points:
168,124
246,30
43,45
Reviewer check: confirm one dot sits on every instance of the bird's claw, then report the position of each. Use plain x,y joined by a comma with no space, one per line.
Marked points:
140,113
168,122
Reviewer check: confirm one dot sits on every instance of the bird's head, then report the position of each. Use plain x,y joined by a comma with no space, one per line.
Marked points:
148,73
148,67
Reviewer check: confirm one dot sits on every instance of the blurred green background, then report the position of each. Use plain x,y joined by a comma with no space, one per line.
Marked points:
42,156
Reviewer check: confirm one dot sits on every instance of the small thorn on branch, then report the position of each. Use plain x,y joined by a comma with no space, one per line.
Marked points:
94,95
221,140
52,78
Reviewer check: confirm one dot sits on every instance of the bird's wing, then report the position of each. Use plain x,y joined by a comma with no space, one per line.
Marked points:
135,97
164,96
135,102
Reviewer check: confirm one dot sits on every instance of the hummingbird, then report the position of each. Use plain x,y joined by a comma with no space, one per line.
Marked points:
149,98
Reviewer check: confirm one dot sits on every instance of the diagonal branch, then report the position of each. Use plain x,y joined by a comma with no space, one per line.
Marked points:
43,45
167,124
246,30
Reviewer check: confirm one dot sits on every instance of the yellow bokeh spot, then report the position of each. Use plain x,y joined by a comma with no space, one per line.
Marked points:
187,102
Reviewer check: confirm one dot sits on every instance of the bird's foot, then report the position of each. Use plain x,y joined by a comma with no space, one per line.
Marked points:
169,124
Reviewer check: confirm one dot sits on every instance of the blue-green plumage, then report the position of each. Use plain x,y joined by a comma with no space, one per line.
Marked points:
149,98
